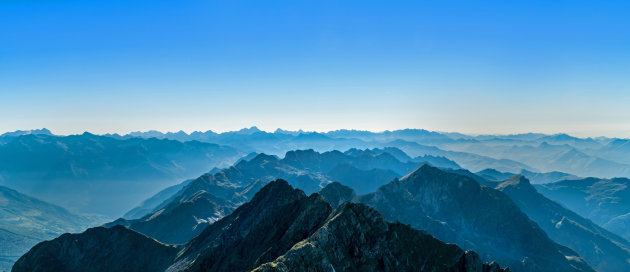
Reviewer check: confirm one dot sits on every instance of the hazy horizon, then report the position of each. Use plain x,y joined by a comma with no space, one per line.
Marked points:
271,130
475,68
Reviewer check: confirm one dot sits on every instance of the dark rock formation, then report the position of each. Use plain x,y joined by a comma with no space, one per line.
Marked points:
279,229
98,249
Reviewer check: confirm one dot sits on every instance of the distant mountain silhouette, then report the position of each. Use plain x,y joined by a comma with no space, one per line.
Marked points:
470,161
602,157
533,177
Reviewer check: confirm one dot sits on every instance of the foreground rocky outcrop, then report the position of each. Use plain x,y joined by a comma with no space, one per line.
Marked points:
280,229
356,238
98,249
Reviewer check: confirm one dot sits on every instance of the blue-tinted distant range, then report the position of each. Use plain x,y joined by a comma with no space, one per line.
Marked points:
199,201
475,67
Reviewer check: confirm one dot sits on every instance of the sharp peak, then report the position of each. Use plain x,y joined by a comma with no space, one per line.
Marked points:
355,209
518,178
310,150
294,153
278,186
425,168
516,181
263,156
336,185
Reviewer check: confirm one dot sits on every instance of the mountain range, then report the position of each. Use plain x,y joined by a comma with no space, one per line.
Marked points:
200,202
467,200
600,157
449,230
279,229
101,175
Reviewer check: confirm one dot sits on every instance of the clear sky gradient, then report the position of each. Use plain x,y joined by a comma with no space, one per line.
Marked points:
466,66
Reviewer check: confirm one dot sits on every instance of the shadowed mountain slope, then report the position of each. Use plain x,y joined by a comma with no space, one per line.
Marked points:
602,249
356,238
457,209
98,249
605,201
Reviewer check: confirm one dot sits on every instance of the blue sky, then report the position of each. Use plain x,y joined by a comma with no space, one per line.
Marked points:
467,66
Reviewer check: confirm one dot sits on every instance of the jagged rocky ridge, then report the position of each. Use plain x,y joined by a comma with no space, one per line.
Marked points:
488,234
280,229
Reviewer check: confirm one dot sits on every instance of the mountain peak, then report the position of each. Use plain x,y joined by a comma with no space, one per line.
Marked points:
336,194
300,154
250,130
263,157
517,181
422,170
277,191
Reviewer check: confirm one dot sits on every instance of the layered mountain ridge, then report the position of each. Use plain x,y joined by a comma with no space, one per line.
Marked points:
280,228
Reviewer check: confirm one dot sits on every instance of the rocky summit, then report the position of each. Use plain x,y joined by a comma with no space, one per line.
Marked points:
456,209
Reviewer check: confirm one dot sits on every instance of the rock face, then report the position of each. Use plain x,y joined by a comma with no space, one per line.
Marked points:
277,217
180,222
336,194
98,249
279,229
602,249
456,209
356,238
